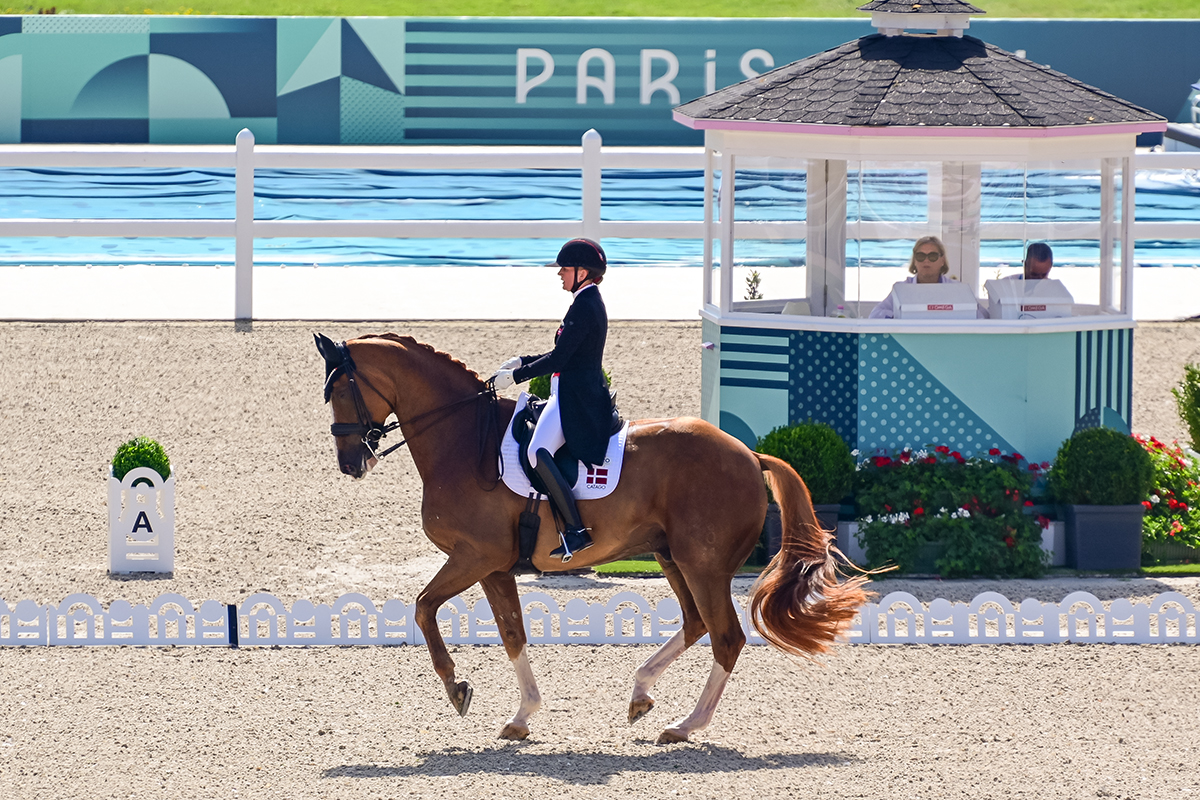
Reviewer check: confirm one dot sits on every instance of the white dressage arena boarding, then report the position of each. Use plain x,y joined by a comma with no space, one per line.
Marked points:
628,618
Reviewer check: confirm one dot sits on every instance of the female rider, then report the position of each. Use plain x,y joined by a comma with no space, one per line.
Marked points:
579,411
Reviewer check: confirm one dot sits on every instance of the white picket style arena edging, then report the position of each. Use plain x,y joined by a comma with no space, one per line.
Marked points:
628,618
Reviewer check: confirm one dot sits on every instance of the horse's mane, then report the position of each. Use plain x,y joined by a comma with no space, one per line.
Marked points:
409,341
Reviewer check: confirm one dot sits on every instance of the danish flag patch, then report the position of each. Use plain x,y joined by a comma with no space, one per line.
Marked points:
597,476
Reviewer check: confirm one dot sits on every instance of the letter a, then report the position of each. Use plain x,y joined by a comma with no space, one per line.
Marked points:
142,521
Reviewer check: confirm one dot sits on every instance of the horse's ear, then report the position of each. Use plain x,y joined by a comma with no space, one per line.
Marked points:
328,349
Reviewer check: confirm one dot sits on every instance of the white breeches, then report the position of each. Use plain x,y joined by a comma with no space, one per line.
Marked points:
549,432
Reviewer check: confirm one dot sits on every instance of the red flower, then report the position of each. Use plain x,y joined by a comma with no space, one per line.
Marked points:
941,448
1146,503
885,505
1045,465
1173,504
1183,506
918,511
930,459
1008,540
1028,503
957,456
1033,467
882,461
905,457
1176,527
1044,521
995,451
1018,456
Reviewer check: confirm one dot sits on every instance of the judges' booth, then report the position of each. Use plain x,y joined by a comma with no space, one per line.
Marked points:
820,177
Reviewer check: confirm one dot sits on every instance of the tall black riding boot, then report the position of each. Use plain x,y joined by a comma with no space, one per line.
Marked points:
575,537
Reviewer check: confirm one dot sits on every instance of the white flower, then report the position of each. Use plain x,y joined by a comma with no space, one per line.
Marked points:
942,510
966,514
854,453
868,519
922,453
1154,499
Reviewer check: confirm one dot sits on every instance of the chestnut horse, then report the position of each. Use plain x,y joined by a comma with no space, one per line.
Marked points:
689,493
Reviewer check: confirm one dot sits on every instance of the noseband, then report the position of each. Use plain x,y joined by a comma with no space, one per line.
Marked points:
368,430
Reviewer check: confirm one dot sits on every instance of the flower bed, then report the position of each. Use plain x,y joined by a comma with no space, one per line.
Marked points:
976,508
1171,525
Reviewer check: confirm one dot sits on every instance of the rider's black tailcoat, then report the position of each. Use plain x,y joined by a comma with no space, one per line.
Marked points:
584,402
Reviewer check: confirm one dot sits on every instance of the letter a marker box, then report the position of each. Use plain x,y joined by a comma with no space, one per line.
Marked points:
141,522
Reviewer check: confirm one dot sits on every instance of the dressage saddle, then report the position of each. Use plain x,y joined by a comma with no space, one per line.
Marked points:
523,424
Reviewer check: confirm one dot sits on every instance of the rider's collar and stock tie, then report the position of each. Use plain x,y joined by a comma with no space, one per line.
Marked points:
372,432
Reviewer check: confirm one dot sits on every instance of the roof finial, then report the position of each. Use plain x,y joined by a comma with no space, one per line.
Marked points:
945,17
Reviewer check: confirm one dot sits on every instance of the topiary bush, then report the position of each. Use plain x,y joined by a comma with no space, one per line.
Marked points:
818,454
141,452
1187,400
1101,467
540,386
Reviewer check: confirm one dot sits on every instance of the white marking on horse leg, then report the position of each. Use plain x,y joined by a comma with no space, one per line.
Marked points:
531,699
706,706
653,668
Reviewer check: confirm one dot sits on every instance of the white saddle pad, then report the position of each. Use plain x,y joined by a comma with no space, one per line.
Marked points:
594,482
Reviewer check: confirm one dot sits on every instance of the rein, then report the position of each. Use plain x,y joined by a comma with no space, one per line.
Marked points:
371,432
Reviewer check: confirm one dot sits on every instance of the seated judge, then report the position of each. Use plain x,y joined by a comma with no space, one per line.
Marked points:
1039,259
927,265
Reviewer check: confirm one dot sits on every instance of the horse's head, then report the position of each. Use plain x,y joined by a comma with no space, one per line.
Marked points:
357,414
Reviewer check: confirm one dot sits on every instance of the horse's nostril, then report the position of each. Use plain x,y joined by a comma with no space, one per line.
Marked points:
349,470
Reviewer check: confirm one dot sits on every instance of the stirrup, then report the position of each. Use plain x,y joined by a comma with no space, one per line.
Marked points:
580,540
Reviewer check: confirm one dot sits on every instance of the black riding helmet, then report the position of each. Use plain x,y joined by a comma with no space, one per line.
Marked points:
582,253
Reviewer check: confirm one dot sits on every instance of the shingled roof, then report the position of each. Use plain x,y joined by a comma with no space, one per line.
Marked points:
930,81
922,7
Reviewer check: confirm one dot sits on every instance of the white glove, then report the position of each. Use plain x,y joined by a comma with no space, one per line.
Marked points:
512,363
503,379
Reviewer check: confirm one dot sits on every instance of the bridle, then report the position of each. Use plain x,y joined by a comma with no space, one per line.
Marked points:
371,432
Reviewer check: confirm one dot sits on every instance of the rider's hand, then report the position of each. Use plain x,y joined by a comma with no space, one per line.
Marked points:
512,363
503,379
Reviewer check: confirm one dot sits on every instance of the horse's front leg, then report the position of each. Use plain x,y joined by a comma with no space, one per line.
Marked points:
456,575
501,591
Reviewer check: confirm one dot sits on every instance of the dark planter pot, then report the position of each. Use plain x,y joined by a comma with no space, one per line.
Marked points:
773,530
827,515
927,557
1104,537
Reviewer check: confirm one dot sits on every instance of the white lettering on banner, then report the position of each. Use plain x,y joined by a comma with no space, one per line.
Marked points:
607,85
525,83
756,55
710,71
662,83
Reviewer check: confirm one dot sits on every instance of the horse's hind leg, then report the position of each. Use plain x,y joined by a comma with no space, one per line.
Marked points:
693,628
501,591
716,609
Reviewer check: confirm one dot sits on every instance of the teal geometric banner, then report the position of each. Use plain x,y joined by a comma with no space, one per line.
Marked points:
380,80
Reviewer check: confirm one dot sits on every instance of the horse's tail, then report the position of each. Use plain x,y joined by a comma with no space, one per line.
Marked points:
798,604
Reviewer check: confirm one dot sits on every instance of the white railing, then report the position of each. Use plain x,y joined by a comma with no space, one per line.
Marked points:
590,158
627,618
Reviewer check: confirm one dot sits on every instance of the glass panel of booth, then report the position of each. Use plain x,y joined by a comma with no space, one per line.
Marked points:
770,212
797,253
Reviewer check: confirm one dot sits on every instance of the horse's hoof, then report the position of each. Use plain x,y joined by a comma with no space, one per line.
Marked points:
639,709
514,733
671,736
462,697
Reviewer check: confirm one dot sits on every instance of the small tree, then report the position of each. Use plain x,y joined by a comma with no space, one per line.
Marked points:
752,282
1187,400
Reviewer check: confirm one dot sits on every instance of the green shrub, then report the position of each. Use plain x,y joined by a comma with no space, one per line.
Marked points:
1173,509
978,508
141,452
818,453
1101,467
1187,400
540,386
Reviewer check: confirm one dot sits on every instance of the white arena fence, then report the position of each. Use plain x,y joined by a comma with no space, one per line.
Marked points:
590,158
628,618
